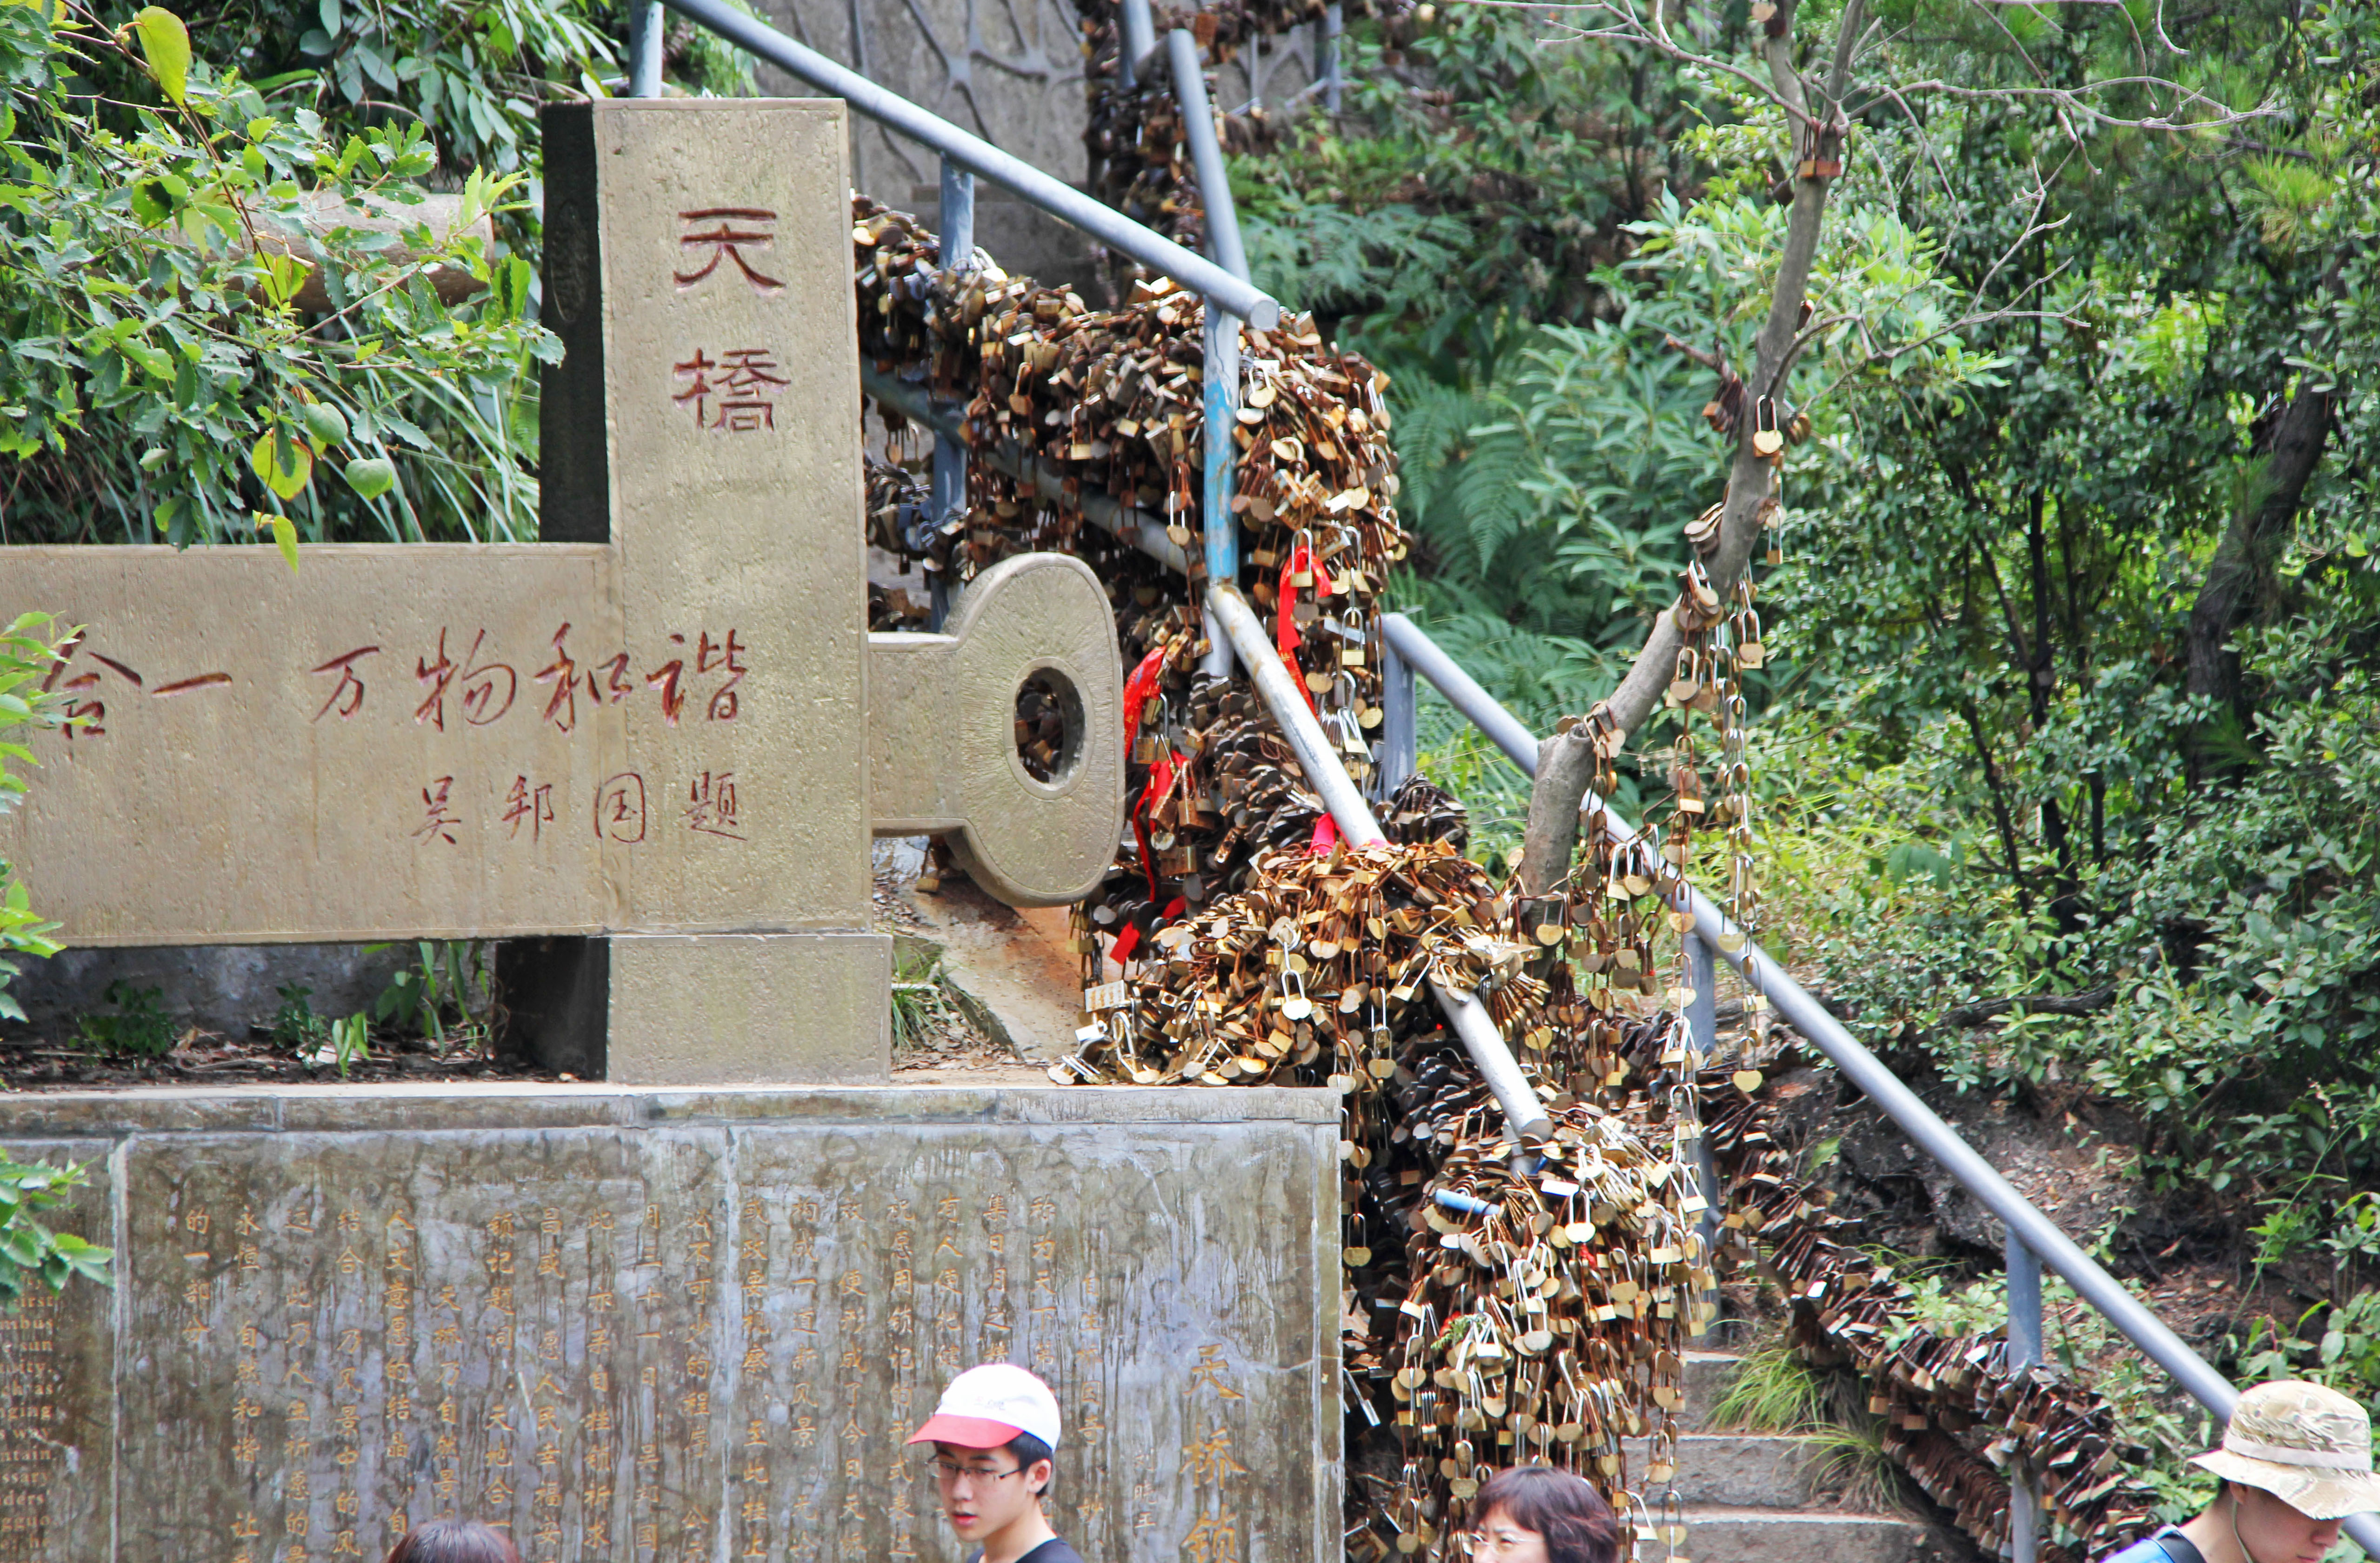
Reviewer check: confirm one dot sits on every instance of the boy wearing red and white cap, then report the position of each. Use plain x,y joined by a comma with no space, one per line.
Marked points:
993,1435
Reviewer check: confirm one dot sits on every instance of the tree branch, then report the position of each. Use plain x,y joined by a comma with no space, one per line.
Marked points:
1566,764
2235,575
2085,1003
1751,478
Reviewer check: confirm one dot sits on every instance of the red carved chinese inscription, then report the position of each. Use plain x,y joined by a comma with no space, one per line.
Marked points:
86,713
532,805
438,816
488,689
736,392
620,808
724,656
348,698
563,709
722,233
711,805
665,678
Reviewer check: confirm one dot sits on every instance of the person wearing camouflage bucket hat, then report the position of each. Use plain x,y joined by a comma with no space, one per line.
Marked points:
2296,1460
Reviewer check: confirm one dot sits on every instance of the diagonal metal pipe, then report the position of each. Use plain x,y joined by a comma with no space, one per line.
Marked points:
1206,153
977,155
1864,1070
1523,1112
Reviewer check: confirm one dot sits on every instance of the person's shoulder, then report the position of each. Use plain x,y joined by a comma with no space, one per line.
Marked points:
2168,1546
1055,1550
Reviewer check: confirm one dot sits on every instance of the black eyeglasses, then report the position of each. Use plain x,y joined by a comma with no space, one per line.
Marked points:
950,1471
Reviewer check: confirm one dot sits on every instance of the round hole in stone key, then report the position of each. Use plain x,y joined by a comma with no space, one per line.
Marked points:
1049,727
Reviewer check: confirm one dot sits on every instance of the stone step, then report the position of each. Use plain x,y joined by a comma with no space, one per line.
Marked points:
1704,1378
1737,1470
1767,1535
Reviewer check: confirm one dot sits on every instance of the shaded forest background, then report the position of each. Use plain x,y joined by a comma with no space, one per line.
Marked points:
2069,744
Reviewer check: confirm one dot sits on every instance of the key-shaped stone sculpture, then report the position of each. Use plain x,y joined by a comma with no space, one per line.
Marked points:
664,729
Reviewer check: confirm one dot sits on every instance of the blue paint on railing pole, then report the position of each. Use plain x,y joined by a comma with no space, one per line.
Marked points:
1220,453
949,484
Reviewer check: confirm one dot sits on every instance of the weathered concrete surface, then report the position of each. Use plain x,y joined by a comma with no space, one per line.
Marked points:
220,987
1015,977
942,744
763,1006
638,1324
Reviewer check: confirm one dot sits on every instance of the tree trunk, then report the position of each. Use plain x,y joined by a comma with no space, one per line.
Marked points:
1566,762
1639,694
2235,577
1565,765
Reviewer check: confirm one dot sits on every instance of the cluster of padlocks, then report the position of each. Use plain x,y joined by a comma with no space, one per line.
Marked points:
1503,1303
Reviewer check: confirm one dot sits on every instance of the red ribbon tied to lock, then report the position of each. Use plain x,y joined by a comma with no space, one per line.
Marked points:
1285,635
1160,782
1137,690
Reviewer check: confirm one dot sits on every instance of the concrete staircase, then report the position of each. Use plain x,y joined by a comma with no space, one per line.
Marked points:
1753,1499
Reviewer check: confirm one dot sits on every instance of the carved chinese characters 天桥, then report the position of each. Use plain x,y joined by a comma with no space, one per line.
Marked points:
725,233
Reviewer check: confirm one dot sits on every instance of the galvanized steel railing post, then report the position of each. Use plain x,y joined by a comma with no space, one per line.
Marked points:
1206,153
645,50
1326,66
1399,747
1138,42
2024,1348
1221,370
1702,1023
1222,423
950,485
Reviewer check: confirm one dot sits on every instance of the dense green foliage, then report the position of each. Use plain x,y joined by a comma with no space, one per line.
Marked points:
2051,393
160,384
155,226
26,657
29,1251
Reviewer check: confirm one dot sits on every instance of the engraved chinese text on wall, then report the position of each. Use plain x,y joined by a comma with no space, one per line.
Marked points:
639,1352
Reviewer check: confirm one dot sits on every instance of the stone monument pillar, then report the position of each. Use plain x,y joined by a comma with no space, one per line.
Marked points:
653,729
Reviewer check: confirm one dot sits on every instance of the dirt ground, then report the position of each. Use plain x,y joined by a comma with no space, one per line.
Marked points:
948,1048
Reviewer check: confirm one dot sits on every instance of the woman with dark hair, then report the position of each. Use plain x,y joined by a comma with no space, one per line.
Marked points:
453,1541
1536,1514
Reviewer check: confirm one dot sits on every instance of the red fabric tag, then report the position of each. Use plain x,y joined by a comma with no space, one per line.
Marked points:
1285,637
1127,943
1136,691
1160,782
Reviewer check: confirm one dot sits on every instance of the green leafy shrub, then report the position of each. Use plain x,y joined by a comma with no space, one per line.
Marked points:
26,659
432,996
294,1024
30,1252
140,1029
162,384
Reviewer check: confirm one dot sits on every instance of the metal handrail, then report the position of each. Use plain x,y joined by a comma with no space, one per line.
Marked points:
1238,624
979,156
2033,1238
2029,1231
1524,1114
